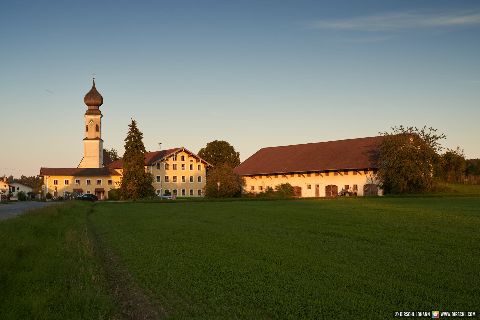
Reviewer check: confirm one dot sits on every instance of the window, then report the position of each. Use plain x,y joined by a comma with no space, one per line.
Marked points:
109,182
174,166
157,191
182,158
354,173
308,174
77,181
158,165
199,192
317,174
183,192
355,187
347,187
276,176
88,191
166,179
175,158
66,182
191,192
167,191
88,182
309,186
158,179
55,182
86,128
184,179
97,128
199,179
99,182
327,174
335,173
365,171
183,166
191,166
175,192
252,188
191,179
167,166
292,175
199,167
174,178
260,188
346,173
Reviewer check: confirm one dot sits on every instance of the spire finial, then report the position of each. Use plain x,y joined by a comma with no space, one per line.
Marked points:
93,76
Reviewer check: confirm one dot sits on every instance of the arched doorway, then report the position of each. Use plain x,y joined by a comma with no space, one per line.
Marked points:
331,191
370,189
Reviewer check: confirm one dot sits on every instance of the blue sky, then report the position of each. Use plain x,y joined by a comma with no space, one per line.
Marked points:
254,73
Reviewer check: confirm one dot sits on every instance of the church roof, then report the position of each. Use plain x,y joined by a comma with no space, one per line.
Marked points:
350,154
93,98
79,172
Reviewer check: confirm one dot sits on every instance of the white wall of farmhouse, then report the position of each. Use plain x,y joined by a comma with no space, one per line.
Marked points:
313,184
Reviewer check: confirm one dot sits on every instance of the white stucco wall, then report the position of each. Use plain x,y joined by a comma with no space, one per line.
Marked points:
321,179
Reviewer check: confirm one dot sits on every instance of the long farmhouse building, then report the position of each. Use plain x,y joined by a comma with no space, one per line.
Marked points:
320,169
176,171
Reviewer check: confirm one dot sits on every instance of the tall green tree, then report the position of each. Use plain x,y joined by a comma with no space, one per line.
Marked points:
222,182
219,153
453,166
112,153
407,159
136,182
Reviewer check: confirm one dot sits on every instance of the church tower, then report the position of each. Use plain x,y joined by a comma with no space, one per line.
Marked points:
93,143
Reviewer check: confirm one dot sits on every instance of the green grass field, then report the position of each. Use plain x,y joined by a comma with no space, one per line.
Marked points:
358,258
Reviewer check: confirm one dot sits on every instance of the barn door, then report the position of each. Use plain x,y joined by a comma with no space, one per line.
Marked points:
331,191
370,189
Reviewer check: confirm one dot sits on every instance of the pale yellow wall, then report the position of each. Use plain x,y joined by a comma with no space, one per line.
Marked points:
93,145
304,179
179,185
61,187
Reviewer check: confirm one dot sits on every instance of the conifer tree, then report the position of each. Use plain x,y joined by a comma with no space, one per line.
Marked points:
136,183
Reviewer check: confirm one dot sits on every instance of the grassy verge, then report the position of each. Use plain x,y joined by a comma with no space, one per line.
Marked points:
348,258
48,269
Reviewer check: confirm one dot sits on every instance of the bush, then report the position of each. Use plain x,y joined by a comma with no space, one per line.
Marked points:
48,196
21,196
284,190
114,194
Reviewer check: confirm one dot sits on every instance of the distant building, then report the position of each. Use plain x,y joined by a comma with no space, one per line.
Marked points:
5,189
18,187
176,171
322,169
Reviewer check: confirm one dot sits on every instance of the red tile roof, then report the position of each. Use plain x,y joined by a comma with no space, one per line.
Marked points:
321,156
78,172
150,158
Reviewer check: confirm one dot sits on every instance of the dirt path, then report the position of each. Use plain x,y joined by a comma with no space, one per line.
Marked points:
132,301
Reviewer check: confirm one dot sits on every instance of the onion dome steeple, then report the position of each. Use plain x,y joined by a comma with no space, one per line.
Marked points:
93,99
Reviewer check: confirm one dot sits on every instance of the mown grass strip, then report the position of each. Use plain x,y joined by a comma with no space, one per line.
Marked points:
132,302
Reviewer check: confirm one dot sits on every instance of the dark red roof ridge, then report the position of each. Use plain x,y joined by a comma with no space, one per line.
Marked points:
356,153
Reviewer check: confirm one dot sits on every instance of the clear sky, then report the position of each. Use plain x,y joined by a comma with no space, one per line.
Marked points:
254,73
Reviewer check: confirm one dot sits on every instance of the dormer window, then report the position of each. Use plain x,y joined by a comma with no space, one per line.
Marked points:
86,128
